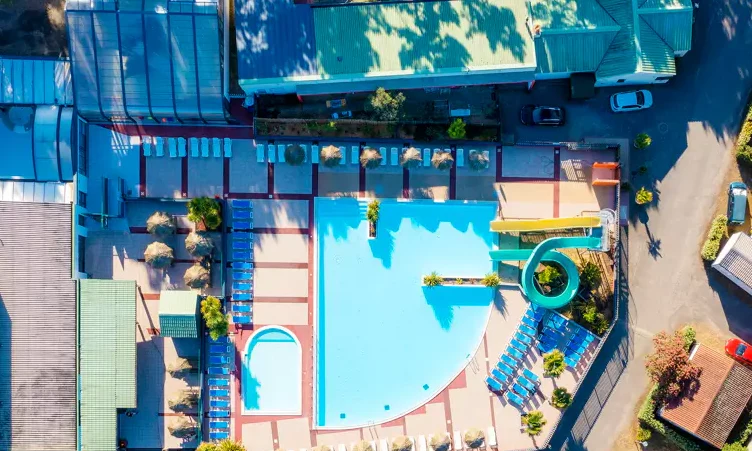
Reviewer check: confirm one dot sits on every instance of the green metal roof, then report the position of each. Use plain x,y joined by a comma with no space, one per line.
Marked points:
575,52
422,37
570,14
107,358
673,26
665,4
178,314
655,56
621,57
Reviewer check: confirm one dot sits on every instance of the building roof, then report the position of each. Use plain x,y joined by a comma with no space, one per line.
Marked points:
37,328
35,81
178,314
736,259
725,388
107,360
146,59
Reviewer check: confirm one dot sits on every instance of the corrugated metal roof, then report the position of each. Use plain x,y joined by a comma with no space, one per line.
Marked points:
655,55
178,314
35,81
665,4
738,260
422,37
570,14
37,328
107,358
621,57
50,192
572,52
674,27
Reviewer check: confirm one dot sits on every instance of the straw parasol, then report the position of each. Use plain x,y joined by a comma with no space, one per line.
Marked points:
411,158
474,438
370,158
322,447
158,255
160,223
199,244
294,155
478,161
442,161
363,446
196,277
440,441
182,427
331,156
402,443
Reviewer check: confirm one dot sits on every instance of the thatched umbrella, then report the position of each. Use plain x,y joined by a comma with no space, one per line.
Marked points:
474,438
182,427
440,441
180,367
402,443
442,160
294,155
183,400
370,158
196,277
362,446
161,223
322,447
199,244
331,156
158,255
478,161
411,158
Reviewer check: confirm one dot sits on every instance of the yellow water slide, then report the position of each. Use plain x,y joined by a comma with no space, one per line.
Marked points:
526,225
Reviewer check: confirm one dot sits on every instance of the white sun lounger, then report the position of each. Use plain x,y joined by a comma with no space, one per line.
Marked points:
172,145
341,447
159,145
491,437
146,143
383,445
228,147
193,142
382,150
373,445
426,157
315,160
421,443
281,153
458,442
355,154
343,151
215,148
260,149
272,153
181,147
460,157
394,155
205,147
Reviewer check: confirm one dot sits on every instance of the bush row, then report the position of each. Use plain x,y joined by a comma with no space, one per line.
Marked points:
743,150
712,245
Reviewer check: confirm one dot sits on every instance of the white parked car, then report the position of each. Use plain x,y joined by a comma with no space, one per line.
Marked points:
631,101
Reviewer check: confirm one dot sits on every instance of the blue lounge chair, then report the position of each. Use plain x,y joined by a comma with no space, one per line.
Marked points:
241,203
504,368
222,339
218,360
245,266
520,390
506,358
547,338
219,413
219,424
527,330
241,214
242,255
529,386
220,349
241,245
241,225
241,308
515,353
242,296
493,384
529,321
241,275
499,376
241,286
523,338
546,346
248,236
518,345
514,399
219,382
574,353
218,435
537,315
219,403
219,370
572,363
532,377
219,393
241,319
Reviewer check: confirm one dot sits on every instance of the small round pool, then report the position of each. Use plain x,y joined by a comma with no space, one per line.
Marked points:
272,373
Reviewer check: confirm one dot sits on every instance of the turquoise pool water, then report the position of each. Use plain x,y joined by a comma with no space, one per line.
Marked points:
272,379
386,344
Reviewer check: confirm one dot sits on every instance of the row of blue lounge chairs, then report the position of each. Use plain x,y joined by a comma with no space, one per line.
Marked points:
242,261
556,329
220,362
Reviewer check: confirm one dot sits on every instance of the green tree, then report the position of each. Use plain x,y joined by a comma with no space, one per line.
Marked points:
553,363
548,275
561,398
372,213
643,196
590,275
642,140
385,106
214,318
491,280
457,129
205,210
229,445
432,280
669,366
534,423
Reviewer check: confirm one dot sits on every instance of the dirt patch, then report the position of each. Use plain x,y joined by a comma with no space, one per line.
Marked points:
33,28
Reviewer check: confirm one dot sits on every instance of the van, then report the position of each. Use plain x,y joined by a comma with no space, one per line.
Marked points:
737,203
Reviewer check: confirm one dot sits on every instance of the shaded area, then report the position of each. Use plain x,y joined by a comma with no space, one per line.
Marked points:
33,28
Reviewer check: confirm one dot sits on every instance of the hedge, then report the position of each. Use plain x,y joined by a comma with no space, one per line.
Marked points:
718,230
743,151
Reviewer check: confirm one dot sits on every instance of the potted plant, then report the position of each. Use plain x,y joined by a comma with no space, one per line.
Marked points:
372,215
534,423
432,280
642,140
205,213
643,196
553,364
411,158
370,158
456,129
158,255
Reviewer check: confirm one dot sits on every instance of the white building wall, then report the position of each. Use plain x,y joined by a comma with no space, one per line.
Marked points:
641,78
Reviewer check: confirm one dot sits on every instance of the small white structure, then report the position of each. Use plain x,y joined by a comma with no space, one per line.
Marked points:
735,261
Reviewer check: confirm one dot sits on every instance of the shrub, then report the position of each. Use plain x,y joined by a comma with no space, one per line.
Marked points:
456,129
411,158
553,363
689,335
205,210
229,445
669,366
534,423
214,318
401,443
561,398
718,231
199,244
590,275
294,155
442,160
183,400
474,438
158,255
331,156
745,134
182,427
440,442
478,161
362,446
736,446
548,275
196,277
744,156
370,158
491,280
372,214
161,224
643,434
432,280
642,140
647,418
385,106
643,196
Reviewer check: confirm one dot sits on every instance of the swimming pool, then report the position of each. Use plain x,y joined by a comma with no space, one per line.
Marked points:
272,378
385,343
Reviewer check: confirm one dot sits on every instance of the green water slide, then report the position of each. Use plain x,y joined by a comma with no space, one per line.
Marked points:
546,251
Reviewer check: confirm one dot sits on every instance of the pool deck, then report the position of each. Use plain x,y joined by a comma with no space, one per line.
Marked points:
527,183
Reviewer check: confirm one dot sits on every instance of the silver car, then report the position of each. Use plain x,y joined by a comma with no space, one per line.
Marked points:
631,101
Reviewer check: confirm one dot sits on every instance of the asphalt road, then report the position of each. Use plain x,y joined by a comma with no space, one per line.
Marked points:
693,124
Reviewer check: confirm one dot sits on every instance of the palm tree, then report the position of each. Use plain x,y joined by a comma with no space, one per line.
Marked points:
442,160
294,155
478,161
534,423
331,156
370,158
411,158
158,255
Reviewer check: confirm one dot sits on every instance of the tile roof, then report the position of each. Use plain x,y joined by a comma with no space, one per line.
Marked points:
738,260
37,328
107,358
178,313
725,388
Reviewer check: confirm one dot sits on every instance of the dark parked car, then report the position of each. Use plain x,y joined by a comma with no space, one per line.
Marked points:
542,115
737,203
